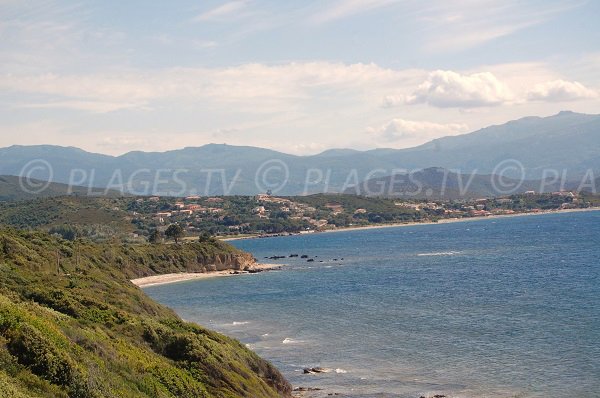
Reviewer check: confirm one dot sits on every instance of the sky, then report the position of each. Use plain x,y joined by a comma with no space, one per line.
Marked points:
295,76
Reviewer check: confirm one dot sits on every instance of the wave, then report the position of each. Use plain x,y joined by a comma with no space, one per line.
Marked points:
342,371
288,340
450,253
240,323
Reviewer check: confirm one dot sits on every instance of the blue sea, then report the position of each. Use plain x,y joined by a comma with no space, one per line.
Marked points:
506,307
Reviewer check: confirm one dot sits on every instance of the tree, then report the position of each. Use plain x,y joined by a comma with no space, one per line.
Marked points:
154,236
205,237
65,231
175,232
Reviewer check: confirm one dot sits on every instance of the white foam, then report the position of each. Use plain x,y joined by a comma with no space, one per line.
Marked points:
338,370
240,323
288,340
450,253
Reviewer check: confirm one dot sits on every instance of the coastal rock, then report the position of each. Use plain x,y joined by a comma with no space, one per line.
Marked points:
310,260
304,256
316,370
304,389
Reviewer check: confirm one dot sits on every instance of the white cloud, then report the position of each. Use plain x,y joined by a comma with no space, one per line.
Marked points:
251,85
448,89
120,142
347,8
88,106
560,91
459,25
227,10
391,101
401,129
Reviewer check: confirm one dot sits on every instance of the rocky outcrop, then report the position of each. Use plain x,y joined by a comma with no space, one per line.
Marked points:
149,260
236,262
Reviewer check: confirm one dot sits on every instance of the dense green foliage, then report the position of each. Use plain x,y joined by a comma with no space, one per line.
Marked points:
72,325
94,217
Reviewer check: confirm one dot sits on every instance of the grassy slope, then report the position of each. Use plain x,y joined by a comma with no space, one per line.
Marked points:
86,331
13,188
101,213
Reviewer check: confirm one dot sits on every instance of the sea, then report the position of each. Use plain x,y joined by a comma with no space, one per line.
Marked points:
505,307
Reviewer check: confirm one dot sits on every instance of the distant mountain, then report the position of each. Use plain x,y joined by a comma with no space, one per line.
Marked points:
567,143
437,183
337,152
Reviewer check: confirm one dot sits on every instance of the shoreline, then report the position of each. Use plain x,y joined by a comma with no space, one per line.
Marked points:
411,224
165,279
156,280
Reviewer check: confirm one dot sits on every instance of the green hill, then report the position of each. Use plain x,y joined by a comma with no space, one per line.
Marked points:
94,217
13,188
72,325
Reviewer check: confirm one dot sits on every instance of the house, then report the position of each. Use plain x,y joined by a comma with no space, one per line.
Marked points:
414,206
479,213
564,194
214,200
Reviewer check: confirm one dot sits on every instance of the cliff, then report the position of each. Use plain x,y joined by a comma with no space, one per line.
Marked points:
137,261
72,325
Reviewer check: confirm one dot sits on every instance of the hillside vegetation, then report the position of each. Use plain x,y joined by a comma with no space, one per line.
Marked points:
21,188
72,325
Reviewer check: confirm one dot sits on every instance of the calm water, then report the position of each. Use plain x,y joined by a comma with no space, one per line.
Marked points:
496,308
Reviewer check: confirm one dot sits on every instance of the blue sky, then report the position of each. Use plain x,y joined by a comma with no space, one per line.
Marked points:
301,76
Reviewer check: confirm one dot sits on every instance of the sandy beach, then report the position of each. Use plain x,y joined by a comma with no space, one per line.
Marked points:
442,221
164,279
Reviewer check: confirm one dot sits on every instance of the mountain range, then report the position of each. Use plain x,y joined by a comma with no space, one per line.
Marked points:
563,147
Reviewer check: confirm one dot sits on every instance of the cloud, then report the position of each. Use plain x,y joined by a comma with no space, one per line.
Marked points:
391,101
560,91
401,129
224,11
88,106
347,8
120,142
249,85
448,89
460,25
